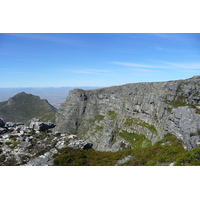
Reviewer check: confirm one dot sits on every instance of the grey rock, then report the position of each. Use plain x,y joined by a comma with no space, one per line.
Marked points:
150,110
43,160
10,124
61,144
3,130
57,133
25,144
80,144
37,125
124,160
2,123
120,145
19,123
183,121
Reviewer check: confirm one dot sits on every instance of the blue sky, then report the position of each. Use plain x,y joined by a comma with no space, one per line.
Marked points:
92,59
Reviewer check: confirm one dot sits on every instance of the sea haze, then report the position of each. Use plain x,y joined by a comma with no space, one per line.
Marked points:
55,96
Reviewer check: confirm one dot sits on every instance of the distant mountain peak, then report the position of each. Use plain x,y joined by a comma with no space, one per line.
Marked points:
23,107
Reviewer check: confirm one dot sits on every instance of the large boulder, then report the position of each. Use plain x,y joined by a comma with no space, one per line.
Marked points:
2,123
121,145
80,144
37,125
3,130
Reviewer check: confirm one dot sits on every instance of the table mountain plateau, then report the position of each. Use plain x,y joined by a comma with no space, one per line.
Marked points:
136,115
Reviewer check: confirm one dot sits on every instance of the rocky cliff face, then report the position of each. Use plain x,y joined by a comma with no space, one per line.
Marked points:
134,114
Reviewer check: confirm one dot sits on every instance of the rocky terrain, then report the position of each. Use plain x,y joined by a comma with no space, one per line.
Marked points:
23,107
33,144
139,114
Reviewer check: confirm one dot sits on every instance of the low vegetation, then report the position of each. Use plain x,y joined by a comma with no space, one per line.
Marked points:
168,150
112,114
137,141
190,158
80,157
131,121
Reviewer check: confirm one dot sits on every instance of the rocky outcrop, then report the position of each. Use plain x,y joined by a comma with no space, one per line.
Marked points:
23,107
37,125
34,144
140,114
2,123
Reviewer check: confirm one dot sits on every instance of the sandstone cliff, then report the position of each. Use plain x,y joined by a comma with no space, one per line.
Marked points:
138,114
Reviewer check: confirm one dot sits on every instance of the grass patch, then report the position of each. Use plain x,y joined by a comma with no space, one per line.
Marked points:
197,111
136,141
8,143
14,144
48,117
112,114
180,101
197,133
99,117
130,121
98,128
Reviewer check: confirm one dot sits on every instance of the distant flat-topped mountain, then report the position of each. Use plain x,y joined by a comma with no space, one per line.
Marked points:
23,107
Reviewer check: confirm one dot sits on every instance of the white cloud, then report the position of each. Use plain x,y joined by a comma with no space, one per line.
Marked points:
127,64
48,37
189,65
164,65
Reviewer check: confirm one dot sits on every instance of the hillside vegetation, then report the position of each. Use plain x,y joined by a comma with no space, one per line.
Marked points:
23,107
168,151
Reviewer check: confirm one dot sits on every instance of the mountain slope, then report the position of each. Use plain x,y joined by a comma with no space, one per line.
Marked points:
140,113
23,107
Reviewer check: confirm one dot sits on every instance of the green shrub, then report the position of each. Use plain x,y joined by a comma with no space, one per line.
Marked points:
189,158
8,143
112,114
99,117
80,157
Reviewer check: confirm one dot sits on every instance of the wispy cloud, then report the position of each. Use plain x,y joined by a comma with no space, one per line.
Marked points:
189,65
138,65
48,37
145,70
167,50
163,65
167,36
